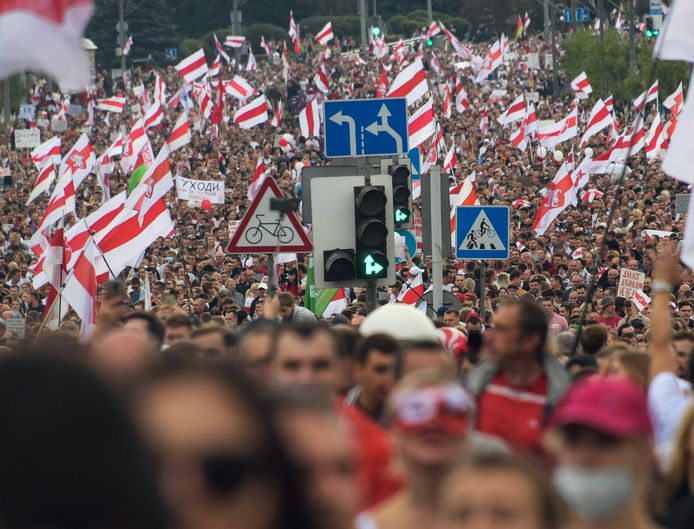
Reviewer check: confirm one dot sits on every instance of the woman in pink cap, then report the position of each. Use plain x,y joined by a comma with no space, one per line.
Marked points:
602,439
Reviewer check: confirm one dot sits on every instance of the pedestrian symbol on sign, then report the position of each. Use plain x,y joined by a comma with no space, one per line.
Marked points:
481,235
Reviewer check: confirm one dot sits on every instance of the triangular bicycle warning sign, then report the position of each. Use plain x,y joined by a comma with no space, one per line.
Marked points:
482,236
263,230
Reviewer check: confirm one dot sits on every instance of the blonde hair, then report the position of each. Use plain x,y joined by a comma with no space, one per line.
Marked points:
469,285
635,364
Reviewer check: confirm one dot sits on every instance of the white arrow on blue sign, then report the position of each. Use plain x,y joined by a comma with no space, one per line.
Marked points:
365,127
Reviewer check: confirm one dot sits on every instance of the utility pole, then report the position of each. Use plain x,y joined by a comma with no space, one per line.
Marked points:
574,21
362,17
555,81
546,13
121,33
601,18
632,48
236,28
430,17
6,100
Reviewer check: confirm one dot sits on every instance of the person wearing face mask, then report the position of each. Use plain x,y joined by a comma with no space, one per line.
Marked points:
602,440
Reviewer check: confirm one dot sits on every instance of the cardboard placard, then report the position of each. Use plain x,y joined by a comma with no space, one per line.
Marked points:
629,282
27,138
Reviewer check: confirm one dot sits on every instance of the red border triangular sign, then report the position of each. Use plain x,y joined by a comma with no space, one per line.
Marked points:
259,238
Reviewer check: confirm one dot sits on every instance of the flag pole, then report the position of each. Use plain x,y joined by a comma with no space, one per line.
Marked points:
48,309
91,234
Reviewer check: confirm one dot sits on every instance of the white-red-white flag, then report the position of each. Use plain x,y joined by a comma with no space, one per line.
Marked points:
462,51
325,35
265,46
193,66
155,183
239,88
234,41
412,291
446,101
675,101
646,97
461,100
252,114
180,134
294,32
45,36
590,195
154,116
609,103
321,80
561,194
676,41
655,139
277,115
450,161
43,182
309,119
552,135
462,194
420,125
78,235
581,85
410,83
514,112
220,49
600,117
111,104
49,150
80,289
251,65
215,68
259,176
77,164
128,46
640,300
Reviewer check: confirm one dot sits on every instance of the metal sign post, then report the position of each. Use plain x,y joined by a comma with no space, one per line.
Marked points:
436,235
483,287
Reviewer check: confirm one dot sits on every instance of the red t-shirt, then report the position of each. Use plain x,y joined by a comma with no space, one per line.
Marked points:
612,322
373,453
514,414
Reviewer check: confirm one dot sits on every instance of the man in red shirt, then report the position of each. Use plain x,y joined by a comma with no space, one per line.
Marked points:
519,382
608,317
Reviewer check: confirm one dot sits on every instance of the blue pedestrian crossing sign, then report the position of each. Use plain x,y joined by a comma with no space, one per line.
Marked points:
482,232
365,127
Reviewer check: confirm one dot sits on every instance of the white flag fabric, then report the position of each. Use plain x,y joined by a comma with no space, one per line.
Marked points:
676,40
677,161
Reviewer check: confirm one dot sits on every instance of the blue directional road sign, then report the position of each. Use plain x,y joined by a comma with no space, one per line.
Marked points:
416,160
482,232
171,53
365,127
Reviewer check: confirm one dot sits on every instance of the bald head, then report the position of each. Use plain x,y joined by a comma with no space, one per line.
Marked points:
123,353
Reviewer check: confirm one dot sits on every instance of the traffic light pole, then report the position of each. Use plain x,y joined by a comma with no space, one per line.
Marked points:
436,234
121,32
483,287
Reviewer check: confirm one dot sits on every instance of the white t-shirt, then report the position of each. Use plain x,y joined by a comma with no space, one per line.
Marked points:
669,397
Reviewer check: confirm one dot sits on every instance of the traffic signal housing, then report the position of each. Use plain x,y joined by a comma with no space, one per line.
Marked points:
371,232
352,228
651,31
402,195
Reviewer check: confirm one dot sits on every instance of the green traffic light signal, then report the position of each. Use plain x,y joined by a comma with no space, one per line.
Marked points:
373,266
402,215
376,31
430,42
649,33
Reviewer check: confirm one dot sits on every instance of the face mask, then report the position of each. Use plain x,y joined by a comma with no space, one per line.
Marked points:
170,260
594,493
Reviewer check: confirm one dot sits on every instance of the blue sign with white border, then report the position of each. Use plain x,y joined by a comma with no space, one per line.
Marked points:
365,127
410,241
482,232
416,159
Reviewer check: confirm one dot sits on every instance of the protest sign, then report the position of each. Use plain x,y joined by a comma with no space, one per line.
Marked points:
189,189
629,282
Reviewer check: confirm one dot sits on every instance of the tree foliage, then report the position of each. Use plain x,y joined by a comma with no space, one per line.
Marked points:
607,66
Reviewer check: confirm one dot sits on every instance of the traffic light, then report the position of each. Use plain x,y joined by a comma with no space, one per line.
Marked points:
402,195
352,226
650,29
376,31
371,232
339,265
430,42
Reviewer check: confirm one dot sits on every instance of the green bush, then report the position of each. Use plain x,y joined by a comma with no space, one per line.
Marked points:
608,69
190,46
269,31
343,25
406,24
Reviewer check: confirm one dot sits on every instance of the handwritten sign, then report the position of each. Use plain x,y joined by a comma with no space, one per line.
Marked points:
16,326
629,282
27,138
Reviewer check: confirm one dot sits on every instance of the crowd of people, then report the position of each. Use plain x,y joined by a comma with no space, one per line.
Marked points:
208,397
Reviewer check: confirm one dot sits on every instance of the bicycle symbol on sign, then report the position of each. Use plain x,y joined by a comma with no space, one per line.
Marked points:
485,229
282,233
